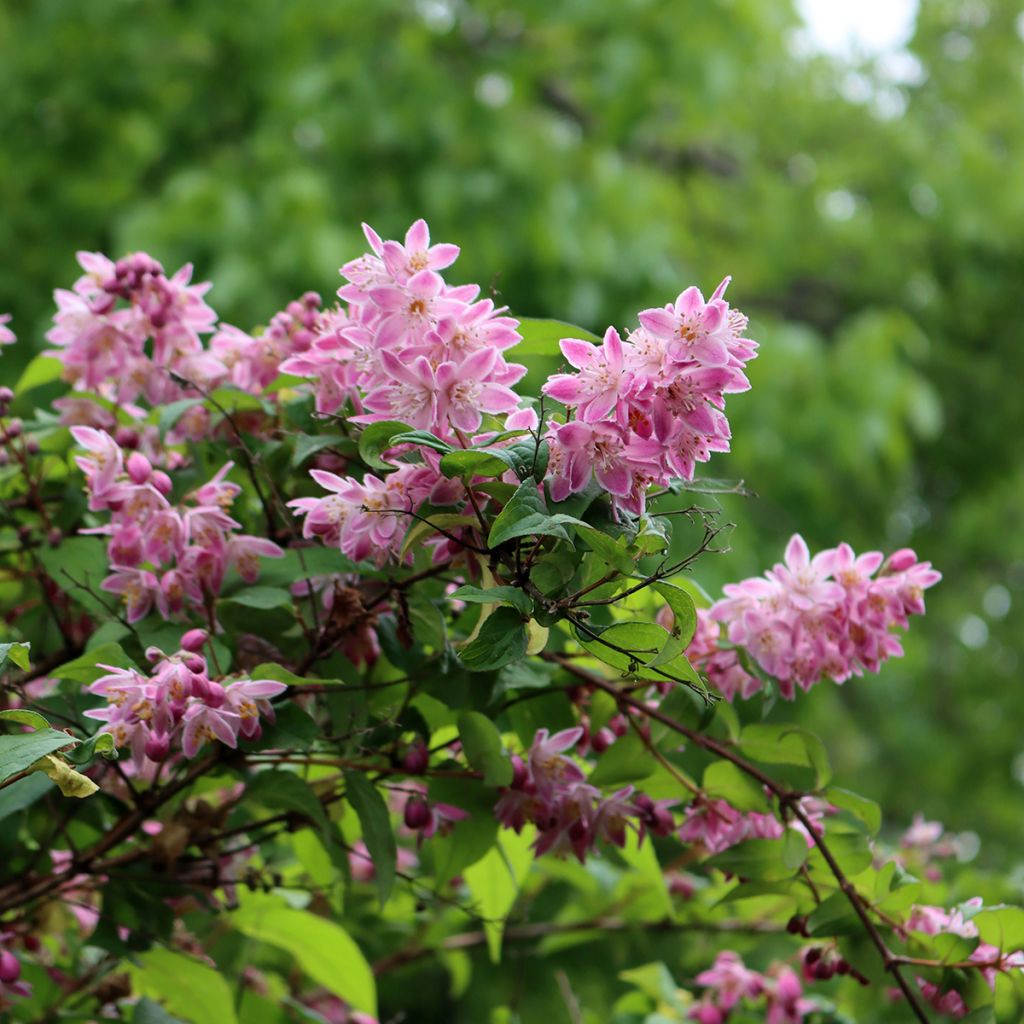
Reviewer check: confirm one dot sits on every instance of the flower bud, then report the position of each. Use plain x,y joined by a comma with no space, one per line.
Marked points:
6,395
14,428
10,969
192,661
154,654
901,560
416,758
138,467
158,745
162,482
54,537
32,446
193,641
127,437
417,813
215,695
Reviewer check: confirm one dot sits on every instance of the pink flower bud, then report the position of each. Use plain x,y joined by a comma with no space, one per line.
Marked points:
901,560
138,467
192,661
215,695
193,641
162,482
10,969
154,654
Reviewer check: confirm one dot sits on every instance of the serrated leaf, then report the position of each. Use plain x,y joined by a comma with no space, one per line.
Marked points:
683,609
20,752
500,641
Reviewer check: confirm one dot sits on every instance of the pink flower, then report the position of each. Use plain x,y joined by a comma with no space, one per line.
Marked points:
602,377
403,261
203,723
695,329
731,980
7,336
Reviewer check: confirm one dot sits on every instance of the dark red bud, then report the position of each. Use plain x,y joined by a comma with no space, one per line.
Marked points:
417,813
416,758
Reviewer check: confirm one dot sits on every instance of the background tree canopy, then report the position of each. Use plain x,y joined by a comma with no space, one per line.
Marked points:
592,157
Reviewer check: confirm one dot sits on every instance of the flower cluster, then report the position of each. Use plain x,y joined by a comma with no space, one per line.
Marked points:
368,518
729,982
649,408
178,703
826,617
251,362
410,347
163,553
721,665
126,327
550,791
716,824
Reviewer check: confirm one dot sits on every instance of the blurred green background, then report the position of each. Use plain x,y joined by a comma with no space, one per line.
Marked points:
593,157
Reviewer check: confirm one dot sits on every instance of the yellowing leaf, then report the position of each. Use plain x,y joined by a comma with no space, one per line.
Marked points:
69,782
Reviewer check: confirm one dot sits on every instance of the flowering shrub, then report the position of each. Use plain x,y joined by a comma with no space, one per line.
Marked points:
439,663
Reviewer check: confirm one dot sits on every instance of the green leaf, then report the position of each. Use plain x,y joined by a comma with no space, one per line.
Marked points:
25,717
863,810
23,793
44,369
189,988
541,337
501,640
85,669
470,462
525,514
787,744
759,859
21,751
613,551
323,950
18,653
309,444
495,880
378,834
835,916
495,595
423,438
148,1012
376,438
263,598
171,413
683,609
1001,926
724,781
626,760
78,565
98,743
643,859
484,750
794,848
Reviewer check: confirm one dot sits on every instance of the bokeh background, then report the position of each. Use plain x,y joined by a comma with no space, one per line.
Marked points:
593,157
